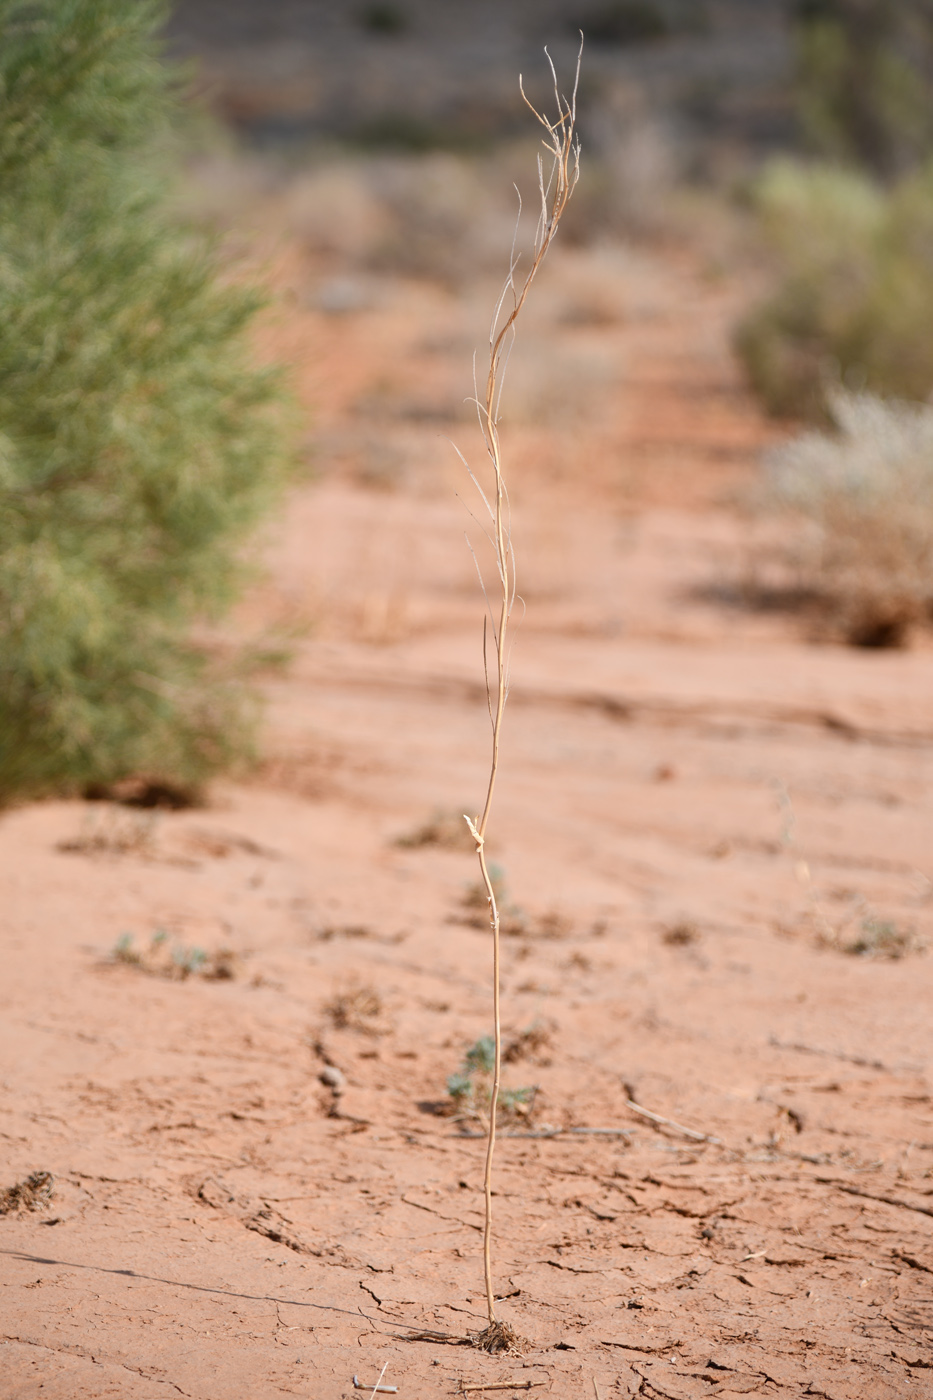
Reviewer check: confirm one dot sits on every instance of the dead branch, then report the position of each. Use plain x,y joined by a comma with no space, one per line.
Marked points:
669,1123
501,1385
540,1134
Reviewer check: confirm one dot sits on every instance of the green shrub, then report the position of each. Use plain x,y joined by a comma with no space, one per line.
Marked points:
138,443
854,299
864,498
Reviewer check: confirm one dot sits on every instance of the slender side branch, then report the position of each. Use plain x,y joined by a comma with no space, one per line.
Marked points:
555,189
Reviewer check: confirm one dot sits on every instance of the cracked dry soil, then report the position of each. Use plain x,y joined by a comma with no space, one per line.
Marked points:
691,796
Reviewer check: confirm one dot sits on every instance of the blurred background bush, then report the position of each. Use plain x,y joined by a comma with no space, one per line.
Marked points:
854,296
851,232
140,441
862,497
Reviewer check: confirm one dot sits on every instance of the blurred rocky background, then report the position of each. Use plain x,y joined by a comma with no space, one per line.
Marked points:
442,73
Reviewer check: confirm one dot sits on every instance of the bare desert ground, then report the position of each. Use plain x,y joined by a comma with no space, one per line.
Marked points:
227,1032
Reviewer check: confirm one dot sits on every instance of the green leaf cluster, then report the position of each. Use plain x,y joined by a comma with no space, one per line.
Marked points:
138,441
471,1087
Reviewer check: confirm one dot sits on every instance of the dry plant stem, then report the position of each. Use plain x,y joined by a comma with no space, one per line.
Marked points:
555,190
669,1123
502,1385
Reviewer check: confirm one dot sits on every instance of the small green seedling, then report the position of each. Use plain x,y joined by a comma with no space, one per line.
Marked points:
177,963
470,1089
188,960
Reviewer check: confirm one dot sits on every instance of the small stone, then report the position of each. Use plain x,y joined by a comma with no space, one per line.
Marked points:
334,1078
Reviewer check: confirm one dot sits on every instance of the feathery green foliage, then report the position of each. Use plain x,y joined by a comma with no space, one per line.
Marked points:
138,443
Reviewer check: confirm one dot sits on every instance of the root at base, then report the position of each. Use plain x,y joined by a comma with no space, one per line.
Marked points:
499,1337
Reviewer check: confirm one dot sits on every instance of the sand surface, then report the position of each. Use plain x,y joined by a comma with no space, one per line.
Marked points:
699,810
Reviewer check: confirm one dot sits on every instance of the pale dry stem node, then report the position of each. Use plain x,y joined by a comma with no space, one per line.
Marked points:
555,187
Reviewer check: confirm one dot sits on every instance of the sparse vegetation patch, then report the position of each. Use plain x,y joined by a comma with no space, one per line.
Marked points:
33,1193
882,938
356,1007
161,957
444,828
863,500
470,1089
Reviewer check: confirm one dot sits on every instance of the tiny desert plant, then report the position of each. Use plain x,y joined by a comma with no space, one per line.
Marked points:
681,934
882,938
33,1193
555,189
175,961
355,1007
470,1089
864,497
107,830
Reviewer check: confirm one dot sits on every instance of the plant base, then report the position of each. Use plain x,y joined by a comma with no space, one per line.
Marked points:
500,1337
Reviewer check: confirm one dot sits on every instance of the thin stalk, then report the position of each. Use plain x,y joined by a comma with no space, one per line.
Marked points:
563,147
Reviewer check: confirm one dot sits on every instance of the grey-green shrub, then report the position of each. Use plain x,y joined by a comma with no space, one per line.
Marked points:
138,441
862,497
854,296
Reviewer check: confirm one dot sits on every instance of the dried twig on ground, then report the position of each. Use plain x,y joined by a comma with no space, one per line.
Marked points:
560,1132
555,189
501,1385
669,1123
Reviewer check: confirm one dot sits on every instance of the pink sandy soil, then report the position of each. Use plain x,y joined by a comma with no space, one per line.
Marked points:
699,808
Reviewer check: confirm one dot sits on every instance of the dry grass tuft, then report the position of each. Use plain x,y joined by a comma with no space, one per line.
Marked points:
681,935
356,1007
864,499
878,938
32,1193
176,961
112,832
529,1043
331,931
444,829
